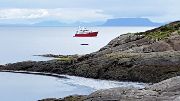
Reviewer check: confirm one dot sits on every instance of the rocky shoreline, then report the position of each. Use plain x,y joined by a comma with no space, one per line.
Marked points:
150,57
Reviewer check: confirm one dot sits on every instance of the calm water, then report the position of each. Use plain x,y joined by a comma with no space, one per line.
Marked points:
21,43
26,87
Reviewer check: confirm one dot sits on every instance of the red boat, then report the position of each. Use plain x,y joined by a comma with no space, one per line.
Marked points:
85,33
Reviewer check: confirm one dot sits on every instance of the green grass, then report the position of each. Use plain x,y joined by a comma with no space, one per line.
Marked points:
178,32
162,32
158,35
65,58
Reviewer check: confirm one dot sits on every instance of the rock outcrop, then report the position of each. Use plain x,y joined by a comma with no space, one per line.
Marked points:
69,98
167,90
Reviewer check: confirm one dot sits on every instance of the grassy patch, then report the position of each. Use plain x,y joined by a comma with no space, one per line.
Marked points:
162,32
158,35
178,32
65,58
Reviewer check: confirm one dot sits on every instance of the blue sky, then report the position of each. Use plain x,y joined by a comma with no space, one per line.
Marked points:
32,11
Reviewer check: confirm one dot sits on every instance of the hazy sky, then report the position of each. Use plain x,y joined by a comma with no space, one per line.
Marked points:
30,11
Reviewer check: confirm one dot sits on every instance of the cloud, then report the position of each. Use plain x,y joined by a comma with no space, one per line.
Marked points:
76,14
22,13
61,14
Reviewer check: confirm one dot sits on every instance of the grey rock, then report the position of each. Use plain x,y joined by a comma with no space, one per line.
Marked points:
172,85
167,90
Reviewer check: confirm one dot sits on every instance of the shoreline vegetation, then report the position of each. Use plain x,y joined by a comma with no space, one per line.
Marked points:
150,57
61,57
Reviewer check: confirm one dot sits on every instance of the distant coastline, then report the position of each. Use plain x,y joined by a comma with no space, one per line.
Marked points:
139,22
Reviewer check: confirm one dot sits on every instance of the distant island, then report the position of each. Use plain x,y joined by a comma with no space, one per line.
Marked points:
109,22
131,22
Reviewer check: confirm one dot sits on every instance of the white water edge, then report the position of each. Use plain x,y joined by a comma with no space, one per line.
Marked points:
98,84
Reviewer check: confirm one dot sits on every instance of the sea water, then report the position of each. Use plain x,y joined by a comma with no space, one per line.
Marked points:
29,87
21,43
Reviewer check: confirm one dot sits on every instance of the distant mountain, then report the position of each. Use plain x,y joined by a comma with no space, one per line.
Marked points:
43,23
57,23
97,23
130,22
49,23
13,25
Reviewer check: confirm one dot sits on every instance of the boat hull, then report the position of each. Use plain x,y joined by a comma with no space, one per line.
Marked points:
90,34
